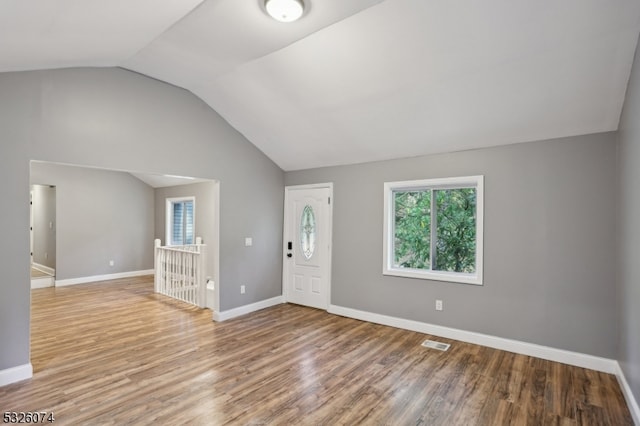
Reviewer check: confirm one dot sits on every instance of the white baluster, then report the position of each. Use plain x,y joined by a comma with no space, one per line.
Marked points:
180,272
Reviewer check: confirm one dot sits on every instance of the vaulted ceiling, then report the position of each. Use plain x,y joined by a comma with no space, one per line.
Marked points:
355,80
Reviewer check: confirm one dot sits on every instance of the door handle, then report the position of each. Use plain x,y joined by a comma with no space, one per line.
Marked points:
289,255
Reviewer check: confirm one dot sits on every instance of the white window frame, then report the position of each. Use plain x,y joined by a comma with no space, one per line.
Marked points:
169,217
476,182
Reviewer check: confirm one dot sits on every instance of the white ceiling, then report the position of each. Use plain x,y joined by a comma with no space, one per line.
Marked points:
357,80
37,34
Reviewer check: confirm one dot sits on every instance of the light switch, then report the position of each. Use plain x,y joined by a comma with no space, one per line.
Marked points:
248,242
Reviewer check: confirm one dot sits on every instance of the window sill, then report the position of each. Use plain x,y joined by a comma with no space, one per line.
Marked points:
436,276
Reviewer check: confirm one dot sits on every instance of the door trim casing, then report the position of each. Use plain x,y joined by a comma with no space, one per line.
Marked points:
285,264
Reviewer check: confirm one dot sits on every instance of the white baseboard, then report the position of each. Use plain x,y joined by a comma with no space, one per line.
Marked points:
628,395
42,268
552,354
247,309
41,282
15,374
94,278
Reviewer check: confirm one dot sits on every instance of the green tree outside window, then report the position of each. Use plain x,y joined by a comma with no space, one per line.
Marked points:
454,213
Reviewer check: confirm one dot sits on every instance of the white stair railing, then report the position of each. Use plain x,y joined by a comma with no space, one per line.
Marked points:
180,272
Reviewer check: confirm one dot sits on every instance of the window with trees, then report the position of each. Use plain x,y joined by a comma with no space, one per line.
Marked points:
433,229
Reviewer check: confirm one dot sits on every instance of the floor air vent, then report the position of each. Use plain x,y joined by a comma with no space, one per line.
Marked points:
436,345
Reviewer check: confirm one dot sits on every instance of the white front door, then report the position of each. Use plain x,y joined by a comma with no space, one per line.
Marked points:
307,245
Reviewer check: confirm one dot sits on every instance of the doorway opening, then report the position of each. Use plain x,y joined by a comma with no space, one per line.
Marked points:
42,208
106,222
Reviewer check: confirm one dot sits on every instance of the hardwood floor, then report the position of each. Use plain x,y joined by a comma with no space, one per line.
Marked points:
116,353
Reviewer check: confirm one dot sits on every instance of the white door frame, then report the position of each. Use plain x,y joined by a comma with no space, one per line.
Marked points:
31,224
285,263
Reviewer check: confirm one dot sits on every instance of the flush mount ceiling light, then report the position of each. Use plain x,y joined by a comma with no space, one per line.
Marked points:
284,10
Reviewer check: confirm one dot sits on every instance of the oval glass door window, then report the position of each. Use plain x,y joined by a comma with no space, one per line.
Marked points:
308,232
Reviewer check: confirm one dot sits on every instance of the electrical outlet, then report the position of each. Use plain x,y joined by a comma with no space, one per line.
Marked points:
248,242
438,305
242,289
111,263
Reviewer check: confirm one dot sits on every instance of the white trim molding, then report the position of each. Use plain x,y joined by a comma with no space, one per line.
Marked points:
95,278
16,374
628,395
42,282
42,268
247,309
577,359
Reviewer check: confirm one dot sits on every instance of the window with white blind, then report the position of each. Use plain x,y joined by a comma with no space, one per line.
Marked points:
181,221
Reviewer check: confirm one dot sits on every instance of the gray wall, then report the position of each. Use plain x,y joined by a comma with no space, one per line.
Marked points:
44,225
117,119
15,106
204,193
102,215
629,231
548,250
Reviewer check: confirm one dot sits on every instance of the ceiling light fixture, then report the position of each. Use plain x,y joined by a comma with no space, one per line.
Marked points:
284,10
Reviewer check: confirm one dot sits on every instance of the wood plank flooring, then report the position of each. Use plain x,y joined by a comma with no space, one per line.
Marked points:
116,353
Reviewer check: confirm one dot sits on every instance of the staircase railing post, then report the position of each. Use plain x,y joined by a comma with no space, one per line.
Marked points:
157,270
